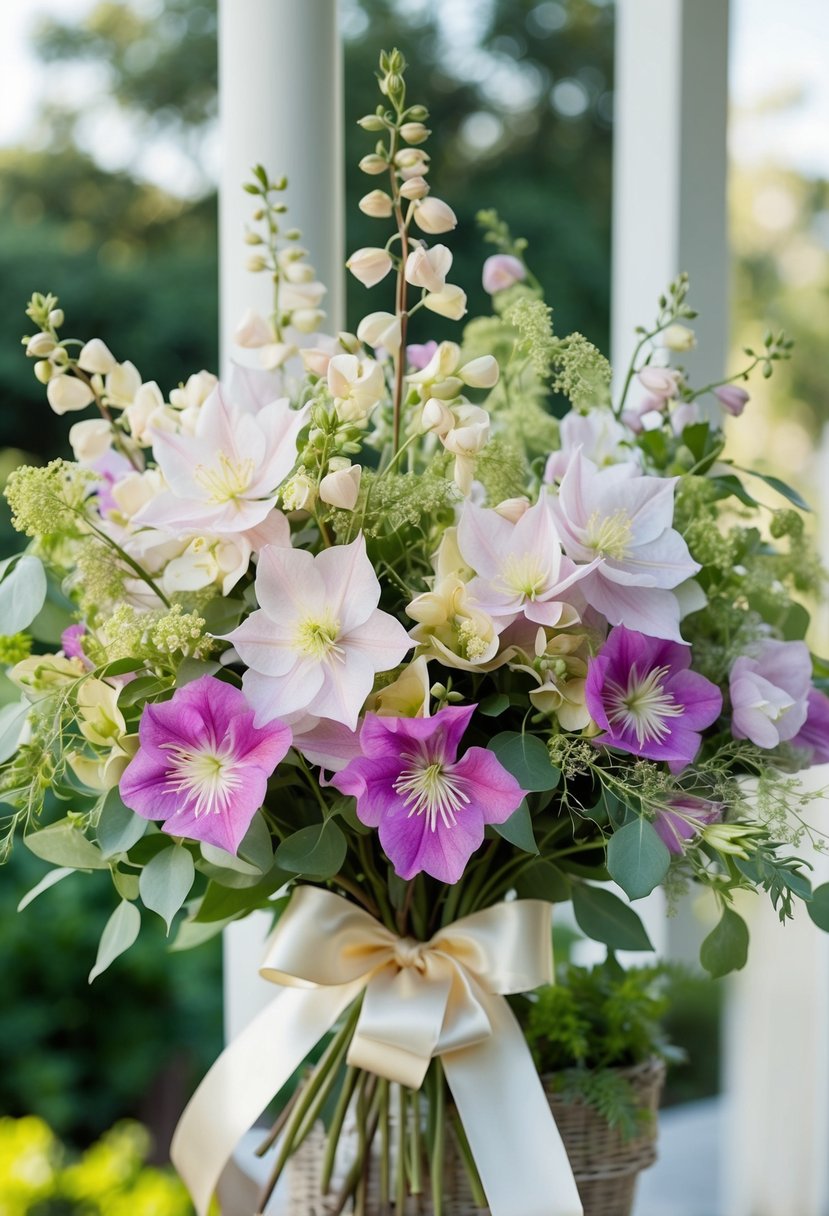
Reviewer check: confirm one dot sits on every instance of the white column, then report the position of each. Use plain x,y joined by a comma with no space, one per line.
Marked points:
280,104
669,211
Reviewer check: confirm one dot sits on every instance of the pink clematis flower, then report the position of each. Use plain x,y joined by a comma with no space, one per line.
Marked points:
646,701
318,638
202,766
813,736
682,818
430,807
626,519
770,692
224,477
520,566
601,438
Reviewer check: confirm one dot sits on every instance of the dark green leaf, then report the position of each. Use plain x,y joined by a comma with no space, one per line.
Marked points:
543,880
729,483
194,669
316,852
725,948
818,907
256,846
526,757
637,859
222,614
604,917
795,623
781,487
518,829
494,706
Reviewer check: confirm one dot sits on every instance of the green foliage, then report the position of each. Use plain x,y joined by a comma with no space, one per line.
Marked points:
603,916
725,948
637,859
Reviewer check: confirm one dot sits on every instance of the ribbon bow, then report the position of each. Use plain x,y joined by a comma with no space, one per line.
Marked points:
444,997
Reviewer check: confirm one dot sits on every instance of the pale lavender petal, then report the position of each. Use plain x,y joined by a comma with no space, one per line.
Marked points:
813,736
343,689
265,644
647,610
484,539
352,591
274,530
331,745
701,698
271,696
381,639
288,583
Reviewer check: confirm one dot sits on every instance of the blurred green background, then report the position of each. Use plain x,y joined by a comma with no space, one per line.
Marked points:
521,104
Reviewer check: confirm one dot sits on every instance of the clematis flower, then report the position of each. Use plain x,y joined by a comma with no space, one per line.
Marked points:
770,692
520,567
224,477
601,438
682,818
625,518
202,766
430,807
318,637
813,736
642,694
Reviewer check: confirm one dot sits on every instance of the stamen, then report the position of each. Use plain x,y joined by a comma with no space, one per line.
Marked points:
609,535
429,787
523,575
317,637
225,480
206,774
643,705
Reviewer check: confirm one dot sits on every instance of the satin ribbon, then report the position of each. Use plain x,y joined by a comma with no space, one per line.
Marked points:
444,997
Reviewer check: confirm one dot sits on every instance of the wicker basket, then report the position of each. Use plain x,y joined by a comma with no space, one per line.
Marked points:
605,1166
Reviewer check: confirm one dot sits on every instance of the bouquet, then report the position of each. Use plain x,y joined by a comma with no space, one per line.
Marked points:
405,643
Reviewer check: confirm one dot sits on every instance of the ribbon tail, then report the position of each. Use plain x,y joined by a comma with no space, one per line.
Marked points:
246,1077
518,1150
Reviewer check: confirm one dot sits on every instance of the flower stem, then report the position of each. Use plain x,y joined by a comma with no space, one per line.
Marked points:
352,1075
438,1139
400,1190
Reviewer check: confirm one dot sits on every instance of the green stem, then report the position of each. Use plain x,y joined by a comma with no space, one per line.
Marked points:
352,1075
385,1147
415,1175
438,1140
400,1192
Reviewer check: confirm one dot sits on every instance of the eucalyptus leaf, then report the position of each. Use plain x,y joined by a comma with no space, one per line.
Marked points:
315,852
518,829
227,903
64,844
165,882
191,934
526,757
22,592
119,828
127,885
119,933
222,860
256,846
48,880
543,880
193,669
818,907
606,918
493,706
725,948
788,492
12,720
637,859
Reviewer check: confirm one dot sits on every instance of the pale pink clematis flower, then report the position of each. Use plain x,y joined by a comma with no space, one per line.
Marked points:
224,477
520,566
625,518
601,438
318,637
770,692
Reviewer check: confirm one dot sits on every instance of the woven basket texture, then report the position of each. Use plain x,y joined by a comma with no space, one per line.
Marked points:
605,1166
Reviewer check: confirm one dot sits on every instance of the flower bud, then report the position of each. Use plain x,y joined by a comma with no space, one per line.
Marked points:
43,370
380,329
56,317
96,356
306,320
415,187
369,265
299,493
433,215
415,132
299,272
252,331
252,238
377,204
66,394
342,487
679,338
501,271
480,373
40,346
449,302
90,439
408,158
371,122
732,398
350,343
436,416
428,268
417,113
256,264
512,509
373,164
660,381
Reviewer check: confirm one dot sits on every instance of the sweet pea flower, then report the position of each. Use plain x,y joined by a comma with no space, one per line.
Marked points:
341,486
433,215
732,398
428,268
601,438
449,302
66,394
203,766
501,271
318,638
682,818
194,392
381,329
369,265
465,439
356,386
414,187
451,627
377,204
642,694
225,476
96,357
90,439
770,692
625,518
419,355
429,807
520,567
813,736
662,382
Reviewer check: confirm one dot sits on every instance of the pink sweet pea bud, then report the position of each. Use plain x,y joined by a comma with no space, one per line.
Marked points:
502,270
732,398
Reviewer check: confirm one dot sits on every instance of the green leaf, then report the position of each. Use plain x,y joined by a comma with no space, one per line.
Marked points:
526,757
729,483
818,907
637,859
518,829
193,669
795,623
22,592
190,934
227,903
47,881
726,947
256,846
50,622
165,882
492,707
64,844
119,933
119,828
140,689
604,917
543,880
12,721
119,667
316,852
222,614
796,499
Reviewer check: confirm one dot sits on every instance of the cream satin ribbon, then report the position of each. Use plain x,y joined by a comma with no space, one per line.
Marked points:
444,997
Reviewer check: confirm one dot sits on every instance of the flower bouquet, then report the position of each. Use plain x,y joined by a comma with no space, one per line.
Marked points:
370,638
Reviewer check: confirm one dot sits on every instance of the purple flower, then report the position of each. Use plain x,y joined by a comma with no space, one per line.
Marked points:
682,818
813,736
202,765
642,694
70,642
732,398
430,808
770,692
418,354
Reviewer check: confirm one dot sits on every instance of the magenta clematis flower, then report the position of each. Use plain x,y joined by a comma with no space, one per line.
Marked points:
642,694
813,736
770,692
202,766
430,808
682,818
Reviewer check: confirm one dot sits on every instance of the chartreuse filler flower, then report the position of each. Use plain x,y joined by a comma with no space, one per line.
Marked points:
365,637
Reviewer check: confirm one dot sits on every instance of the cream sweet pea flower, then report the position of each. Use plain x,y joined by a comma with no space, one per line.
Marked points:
433,215
356,386
468,437
66,394
121,385
369,266
90,439
449,302
96,357
428,268
381,329
341,487
452,628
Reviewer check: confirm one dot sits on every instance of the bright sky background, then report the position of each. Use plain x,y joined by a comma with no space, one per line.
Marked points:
777,50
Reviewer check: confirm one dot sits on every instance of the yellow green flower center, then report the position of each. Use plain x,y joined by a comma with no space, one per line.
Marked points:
609,535
317,637
225,480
